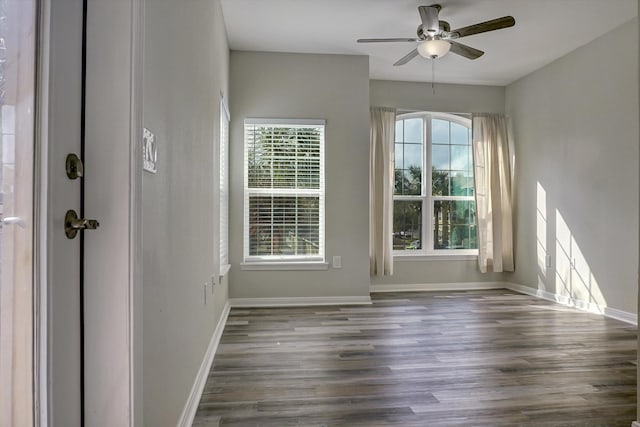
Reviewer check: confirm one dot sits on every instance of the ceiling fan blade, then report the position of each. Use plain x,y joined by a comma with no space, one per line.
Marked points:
408,57
386,40
483,27
429,16
464,50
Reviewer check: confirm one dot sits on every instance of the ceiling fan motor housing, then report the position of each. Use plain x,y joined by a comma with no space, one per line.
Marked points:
424,34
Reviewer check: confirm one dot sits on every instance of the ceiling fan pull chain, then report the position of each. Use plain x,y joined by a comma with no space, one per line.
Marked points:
433,76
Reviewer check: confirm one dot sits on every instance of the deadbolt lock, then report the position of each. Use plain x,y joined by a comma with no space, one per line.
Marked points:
72,224
74,166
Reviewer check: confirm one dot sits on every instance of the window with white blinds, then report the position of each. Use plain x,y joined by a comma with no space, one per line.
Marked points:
224,187
284,190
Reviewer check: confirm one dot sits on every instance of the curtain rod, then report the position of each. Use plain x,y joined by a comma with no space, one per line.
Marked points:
406,111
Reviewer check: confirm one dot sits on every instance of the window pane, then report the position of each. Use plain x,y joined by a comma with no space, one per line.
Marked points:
454,225
440,183
399,132
412,156
412,182
409,158
440,157
306,239
308,173
413,131
399,156
460,134
452,165
398,181
259,168
407,225
439,131
283,157
461,157
284,225
408,182
461,184
283,169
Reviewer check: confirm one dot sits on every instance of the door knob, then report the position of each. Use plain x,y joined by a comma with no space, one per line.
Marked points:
74,167
72,224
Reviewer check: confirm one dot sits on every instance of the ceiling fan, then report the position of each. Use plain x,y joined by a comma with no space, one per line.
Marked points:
436,39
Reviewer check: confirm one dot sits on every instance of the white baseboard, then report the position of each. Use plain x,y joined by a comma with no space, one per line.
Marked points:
635,424
417,287
613,313
190,409
623,316
298,301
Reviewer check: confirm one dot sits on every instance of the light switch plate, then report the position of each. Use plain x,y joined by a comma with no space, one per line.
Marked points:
337,261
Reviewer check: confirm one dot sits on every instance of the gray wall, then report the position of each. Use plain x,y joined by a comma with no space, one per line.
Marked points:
330,87
448,98
185,68
575,124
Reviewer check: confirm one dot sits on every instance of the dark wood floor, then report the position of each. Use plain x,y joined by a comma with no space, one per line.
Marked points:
479,358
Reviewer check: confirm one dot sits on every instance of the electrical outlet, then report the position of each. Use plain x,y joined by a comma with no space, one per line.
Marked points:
205,292
337,261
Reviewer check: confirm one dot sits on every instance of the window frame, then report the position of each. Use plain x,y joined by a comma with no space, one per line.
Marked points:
285,262
223,223
427,251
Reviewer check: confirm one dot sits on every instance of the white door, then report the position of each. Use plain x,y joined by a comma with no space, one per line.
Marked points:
64,112
93,292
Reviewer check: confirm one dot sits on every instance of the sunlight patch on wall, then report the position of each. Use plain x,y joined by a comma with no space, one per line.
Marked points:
574,278
563,256
541,233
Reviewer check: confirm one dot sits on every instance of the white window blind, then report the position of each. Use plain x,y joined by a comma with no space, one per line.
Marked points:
284,190
224,186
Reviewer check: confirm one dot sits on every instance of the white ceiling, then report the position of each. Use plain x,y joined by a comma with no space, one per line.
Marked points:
545,30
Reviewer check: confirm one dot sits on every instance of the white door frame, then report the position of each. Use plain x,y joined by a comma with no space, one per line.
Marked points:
41,188
114,129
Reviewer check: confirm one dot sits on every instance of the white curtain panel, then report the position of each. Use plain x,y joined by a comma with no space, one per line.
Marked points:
492,172
381,170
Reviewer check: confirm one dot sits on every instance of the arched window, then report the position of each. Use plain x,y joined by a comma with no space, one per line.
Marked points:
434,206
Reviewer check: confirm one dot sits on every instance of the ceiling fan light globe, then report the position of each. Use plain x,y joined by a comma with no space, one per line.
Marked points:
433,49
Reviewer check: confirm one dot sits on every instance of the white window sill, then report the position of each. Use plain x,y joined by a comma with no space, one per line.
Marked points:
435,257
224,269
284,266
